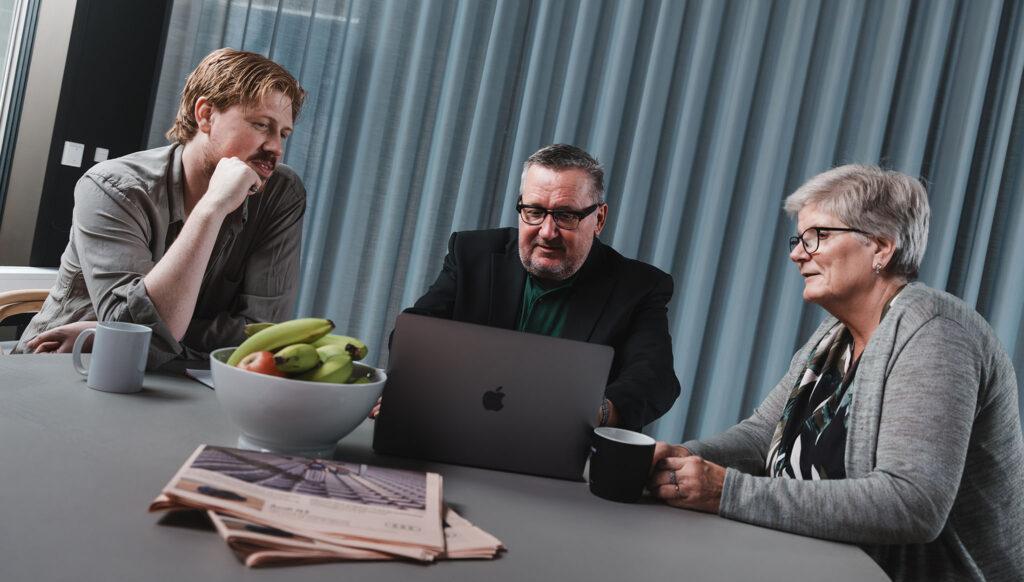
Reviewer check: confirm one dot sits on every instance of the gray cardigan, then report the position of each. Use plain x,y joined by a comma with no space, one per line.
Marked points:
934,450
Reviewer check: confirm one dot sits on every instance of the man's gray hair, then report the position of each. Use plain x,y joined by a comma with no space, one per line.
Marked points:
883,203
562,156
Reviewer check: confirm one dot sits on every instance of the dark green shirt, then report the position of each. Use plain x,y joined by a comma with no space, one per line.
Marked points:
543,310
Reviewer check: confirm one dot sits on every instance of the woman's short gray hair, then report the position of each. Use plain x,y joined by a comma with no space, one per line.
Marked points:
883,203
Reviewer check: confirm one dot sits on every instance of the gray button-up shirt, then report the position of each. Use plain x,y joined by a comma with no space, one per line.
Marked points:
128,212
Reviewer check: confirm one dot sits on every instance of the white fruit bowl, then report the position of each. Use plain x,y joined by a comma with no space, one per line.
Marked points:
291,416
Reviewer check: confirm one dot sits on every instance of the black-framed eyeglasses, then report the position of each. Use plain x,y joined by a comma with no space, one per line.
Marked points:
565,219
811,236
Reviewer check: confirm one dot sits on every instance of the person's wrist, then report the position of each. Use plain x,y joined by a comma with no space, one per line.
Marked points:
208,211
613,414
603,413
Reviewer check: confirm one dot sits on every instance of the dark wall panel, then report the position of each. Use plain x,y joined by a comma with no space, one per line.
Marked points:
105,102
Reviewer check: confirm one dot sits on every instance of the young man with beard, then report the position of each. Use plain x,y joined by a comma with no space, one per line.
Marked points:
195,239
553,276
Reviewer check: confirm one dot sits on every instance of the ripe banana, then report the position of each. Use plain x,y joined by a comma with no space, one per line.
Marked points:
335,370
330,350
296,331
254,328
355,348
296,358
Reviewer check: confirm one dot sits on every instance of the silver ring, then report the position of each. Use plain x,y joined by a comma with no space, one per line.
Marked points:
254,188
672,479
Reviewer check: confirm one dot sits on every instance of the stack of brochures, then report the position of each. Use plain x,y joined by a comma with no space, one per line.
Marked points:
278,509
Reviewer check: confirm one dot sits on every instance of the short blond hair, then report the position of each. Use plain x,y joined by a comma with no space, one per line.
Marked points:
229,77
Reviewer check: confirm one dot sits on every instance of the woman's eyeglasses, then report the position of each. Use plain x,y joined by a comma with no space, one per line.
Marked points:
811,237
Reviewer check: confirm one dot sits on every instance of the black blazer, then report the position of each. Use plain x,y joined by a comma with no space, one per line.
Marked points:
616,301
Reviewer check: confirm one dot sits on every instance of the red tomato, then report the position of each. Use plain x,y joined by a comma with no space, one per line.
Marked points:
261,363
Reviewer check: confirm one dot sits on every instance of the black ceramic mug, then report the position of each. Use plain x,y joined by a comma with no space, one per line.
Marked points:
620,461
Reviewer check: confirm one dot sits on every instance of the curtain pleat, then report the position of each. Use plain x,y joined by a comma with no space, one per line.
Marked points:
705,113
978,233
969,58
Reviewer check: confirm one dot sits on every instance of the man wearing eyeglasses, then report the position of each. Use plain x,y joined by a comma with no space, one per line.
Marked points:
553,276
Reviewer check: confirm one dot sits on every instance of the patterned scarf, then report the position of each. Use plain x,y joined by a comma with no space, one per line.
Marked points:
834,354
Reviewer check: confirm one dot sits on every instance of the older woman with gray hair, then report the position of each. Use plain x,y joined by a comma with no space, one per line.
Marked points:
897,426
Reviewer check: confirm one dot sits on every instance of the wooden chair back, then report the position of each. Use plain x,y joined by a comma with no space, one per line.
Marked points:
21,301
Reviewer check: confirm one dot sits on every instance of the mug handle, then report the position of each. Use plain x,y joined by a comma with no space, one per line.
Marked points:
76,356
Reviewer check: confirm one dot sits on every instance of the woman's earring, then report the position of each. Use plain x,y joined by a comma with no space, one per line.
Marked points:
877,268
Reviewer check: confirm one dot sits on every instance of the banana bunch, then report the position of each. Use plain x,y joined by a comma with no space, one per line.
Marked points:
302,349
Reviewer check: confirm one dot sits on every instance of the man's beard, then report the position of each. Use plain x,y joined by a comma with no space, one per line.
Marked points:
561,272
210,160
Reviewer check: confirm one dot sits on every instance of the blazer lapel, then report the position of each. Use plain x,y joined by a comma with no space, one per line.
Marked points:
590,294
507,279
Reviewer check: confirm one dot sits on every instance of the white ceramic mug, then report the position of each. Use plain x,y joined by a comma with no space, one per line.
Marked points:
118,356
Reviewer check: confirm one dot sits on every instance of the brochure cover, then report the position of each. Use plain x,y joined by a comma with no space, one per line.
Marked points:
360,506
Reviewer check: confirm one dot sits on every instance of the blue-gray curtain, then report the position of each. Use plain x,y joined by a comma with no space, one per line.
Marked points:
705,113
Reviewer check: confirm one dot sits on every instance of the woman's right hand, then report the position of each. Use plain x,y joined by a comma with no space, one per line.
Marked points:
61,339
688,482
663,450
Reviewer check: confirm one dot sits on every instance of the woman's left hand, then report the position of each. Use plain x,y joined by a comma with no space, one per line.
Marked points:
688,482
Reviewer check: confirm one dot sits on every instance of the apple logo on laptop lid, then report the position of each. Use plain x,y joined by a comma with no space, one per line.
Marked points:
493,399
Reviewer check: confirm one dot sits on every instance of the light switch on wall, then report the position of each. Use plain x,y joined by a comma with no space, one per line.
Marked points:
72,154
101,155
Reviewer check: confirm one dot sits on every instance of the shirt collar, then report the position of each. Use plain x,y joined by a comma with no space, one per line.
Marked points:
176,188
542,290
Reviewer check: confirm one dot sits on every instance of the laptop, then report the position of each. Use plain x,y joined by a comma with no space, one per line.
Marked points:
494,398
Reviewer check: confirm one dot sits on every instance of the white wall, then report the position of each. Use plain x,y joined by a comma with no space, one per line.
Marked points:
32,149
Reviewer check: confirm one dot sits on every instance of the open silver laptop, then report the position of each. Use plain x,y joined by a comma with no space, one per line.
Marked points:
493,398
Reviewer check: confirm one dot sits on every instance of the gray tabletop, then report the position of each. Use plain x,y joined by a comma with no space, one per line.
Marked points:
79,467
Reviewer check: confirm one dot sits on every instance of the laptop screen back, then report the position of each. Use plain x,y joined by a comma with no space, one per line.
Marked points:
488,397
